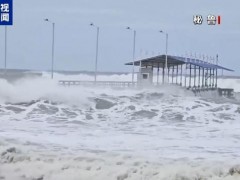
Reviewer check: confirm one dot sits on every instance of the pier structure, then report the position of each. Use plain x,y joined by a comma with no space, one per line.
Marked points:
191,73
117,84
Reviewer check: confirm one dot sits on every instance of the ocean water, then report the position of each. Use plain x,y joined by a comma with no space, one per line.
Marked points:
51,132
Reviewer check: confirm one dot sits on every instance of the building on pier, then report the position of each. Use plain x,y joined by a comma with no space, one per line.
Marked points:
192,73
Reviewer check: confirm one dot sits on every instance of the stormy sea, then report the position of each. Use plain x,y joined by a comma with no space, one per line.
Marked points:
52,132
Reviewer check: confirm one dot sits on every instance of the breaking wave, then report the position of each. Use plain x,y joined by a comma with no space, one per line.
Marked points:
54,132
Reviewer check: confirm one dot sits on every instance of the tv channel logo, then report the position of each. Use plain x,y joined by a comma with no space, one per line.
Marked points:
197,19
6,12
213,20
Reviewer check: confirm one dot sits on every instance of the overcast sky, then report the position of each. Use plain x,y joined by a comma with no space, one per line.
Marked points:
29,39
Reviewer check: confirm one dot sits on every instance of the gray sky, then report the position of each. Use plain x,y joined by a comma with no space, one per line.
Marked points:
29,45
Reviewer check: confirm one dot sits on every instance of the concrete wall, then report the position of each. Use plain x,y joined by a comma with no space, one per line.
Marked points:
145,76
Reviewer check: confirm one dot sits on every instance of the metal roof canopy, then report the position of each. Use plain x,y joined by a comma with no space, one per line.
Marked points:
201,63
159,61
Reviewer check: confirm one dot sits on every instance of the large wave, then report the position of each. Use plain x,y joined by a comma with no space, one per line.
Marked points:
53,132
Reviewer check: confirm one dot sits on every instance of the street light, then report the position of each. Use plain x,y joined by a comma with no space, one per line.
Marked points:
166,60
5,56
96,60
134,46
53,39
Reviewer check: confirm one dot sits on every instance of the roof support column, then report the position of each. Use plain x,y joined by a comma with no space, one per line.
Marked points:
216,77
203,78
195,74
158,74
190,76
177,76
213,79
181,76
206,78
210,80
185,82
199,76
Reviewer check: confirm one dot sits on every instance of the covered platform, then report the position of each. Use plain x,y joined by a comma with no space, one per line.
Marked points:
192,73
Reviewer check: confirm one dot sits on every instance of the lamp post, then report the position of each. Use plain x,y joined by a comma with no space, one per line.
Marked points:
216,71
133,56
96,58
5,56
53,41
166,60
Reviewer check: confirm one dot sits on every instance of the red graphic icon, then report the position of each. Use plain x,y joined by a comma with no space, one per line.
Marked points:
219,20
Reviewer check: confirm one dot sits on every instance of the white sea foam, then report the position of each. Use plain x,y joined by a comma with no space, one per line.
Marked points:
102,133
222,82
